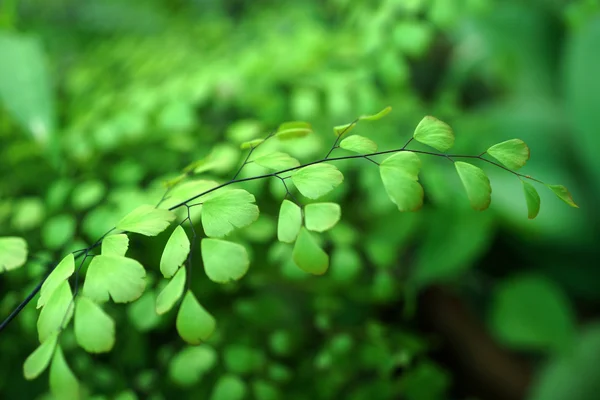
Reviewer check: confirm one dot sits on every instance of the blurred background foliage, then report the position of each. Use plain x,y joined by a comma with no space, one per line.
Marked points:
102,101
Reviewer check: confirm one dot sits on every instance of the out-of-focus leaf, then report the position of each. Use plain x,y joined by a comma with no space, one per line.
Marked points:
63,383
38,361
308,255
13,253
94,329
194,323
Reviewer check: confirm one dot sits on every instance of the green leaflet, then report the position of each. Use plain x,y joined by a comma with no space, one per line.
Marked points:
194,323
38,361
277,161
563,194
358,144
317,180
532,198
146,220
341,130
512,153
400,175
175,252
434,133
476,183
307,254
292,130
57,313
229,387
225,211
221,159
224,261
322,216
191,363
61,272
290,221
251,144
94,329
171,293
124,279
63,383
13,253
115,245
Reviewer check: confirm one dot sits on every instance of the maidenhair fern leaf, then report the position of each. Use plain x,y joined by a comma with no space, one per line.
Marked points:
61,272
115,245
563,194
400,175
121,277
322,216
94,329
532,198
194,324
175,252
307,254
146,220
224,261
277,161
38,361
57,312
171,293
63,383
512,153
435,133
13,253
290,221
292,130
358,144
225,211
476,183
317,180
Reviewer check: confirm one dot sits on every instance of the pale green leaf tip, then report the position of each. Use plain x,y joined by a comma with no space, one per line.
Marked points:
563,193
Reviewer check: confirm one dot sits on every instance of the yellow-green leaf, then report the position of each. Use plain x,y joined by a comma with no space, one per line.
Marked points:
38,361
294,129
563,194
400,175
358,144
146,220
375,117
277,161
124,279
317,180
57,312
171,293
194,323
175,252
225,211
115,245
290,222
13,253
512,153
61,272
434,133
343,129
94,329
63,383
322,216
532,198
224,261
307,254
476,183
251,144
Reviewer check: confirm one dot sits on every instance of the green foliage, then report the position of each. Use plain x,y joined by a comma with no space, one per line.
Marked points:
224,261
13,253
175,252
190,364
115,245
277,161
321,217
194,323
63,383
532,198
120,277
171,293
308,255
317,180
146,220
57,313
400,175
59,275
513,153
563,194
358,144
38,361
435,133
476,183
94,329
228,210
290,221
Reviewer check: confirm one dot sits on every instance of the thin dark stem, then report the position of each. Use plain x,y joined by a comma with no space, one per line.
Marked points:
337,139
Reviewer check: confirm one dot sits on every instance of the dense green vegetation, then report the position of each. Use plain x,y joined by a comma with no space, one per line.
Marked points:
103,104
